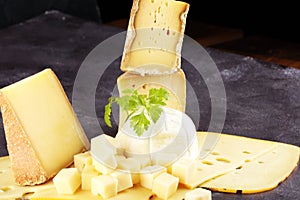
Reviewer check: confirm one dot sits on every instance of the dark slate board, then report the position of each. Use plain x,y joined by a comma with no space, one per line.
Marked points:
263,99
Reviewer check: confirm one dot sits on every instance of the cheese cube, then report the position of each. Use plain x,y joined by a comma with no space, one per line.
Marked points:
174,83
198,194
102,167
103,151
67,181
42,131
165,185
184,169
82,159
124,179
104,185
148,174
131,165
88,173
143,159
154,36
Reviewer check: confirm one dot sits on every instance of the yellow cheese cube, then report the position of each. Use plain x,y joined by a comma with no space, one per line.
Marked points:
82,159
149,173
154,36
102,167
124,179
131,165
184,169
104,185
165,185
198,194
42,131
67,181
88,173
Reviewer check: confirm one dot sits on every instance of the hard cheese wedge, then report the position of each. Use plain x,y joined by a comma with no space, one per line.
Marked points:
41,128
174,83
263,173
284,157
154,36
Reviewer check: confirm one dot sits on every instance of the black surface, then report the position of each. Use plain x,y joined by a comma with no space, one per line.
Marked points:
263,99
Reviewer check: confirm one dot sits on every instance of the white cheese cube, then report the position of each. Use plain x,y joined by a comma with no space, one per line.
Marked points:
165,185
67,181
143,159
198,194
82,159
101,167
184,169
124,179
148,174
103,151
88,173
131,165
104,185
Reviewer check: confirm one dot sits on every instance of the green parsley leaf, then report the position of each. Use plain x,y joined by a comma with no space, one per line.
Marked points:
141,109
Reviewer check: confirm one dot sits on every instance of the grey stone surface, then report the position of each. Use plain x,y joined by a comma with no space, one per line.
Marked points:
263,99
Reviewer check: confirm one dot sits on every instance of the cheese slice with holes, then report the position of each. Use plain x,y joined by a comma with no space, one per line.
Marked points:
42,131
174,83
154,36
260,174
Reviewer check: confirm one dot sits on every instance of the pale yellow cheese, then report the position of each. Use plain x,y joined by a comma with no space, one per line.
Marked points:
285,159
101,167
87,174
42,131
260,174
184,169
154,36
149,173
104,185
124,179
165,185
198,194
175,84
103,151
82,159
67,181
133,166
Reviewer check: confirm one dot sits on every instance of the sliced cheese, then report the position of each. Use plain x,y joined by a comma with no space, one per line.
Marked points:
154,36
174,83
42,131
260,174
228,153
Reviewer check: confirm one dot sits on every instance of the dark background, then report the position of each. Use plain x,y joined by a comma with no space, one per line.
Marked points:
277,19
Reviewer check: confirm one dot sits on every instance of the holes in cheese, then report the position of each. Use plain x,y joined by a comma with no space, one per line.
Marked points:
263,173
154,36
42,131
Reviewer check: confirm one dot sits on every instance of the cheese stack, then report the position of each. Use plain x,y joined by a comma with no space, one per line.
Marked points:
152,52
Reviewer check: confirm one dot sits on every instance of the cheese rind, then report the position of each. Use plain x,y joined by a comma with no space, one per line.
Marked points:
154,36
42,131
